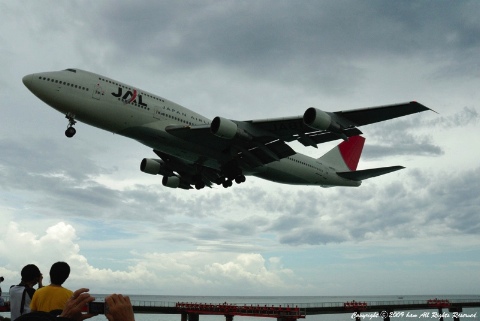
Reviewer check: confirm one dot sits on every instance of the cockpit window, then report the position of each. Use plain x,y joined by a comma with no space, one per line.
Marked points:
70,69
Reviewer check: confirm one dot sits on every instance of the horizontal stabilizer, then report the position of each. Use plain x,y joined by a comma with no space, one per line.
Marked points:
368,173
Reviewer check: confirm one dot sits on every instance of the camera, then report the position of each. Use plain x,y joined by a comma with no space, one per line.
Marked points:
96,307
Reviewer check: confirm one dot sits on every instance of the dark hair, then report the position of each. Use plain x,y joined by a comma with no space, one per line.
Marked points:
30,272
59,272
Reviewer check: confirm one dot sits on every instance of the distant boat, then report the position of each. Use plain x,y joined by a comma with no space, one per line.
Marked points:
400,297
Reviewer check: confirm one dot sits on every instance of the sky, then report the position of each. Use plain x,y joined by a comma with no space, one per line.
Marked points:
84,200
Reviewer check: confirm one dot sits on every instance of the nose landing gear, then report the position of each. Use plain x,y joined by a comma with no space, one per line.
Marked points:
70,132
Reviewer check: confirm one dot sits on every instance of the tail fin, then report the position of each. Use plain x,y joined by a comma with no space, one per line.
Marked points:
345,156
344,159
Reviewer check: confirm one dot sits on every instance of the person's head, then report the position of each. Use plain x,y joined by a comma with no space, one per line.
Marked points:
1,279
59,272
30,273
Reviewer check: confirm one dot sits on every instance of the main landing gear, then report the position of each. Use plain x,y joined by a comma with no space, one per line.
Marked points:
70,132
227,182
231,172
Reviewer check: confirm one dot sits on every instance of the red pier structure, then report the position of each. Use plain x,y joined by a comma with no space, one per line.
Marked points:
355,306
191,311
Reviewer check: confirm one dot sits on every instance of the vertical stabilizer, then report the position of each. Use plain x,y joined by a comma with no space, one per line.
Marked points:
346,155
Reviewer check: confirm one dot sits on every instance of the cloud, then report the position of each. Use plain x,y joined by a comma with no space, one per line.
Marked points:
466,116
124,231
402,136
19,246
420,206
193,272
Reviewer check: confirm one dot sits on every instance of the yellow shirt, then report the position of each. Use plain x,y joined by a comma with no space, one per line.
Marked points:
50,298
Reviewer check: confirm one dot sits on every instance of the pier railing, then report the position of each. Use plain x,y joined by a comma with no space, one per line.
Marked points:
298,310
430,302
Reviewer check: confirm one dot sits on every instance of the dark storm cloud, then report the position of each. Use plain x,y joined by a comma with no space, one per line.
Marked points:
398,138
63,183
431,206
459,200
405,144
466,116
307,43
26,158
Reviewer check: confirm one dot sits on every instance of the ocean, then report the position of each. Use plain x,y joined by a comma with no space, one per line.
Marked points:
300,301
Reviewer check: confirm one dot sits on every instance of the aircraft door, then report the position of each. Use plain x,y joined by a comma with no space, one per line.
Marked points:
98,92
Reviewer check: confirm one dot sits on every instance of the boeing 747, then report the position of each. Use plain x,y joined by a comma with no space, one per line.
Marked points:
195,151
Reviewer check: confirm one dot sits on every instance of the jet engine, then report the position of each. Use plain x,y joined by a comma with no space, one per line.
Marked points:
223,128
227,129
154,167
171,181
175,182
320,120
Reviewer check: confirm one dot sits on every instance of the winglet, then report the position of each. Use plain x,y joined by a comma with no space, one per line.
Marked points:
351,150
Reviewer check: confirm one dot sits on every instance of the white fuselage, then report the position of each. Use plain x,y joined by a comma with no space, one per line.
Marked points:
125,110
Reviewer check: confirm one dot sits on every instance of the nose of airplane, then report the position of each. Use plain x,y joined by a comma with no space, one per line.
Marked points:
27,81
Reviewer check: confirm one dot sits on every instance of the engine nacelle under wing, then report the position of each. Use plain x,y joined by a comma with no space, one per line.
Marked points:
317,119
227,129
171,181
223,128
154,167
320,120
175,182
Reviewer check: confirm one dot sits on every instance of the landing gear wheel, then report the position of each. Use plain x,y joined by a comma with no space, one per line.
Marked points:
199,185
70,132
227,183
71,121
240,179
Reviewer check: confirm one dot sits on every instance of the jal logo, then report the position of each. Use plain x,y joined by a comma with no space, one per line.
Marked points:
129,97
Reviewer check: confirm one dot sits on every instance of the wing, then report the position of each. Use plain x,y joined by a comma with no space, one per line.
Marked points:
365,116
342,123
256,142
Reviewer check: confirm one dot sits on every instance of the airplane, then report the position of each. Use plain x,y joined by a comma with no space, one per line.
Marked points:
195,151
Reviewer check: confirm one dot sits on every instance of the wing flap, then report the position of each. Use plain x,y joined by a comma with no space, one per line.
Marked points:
312,139
271,152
